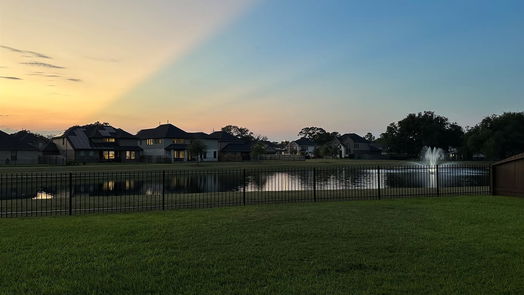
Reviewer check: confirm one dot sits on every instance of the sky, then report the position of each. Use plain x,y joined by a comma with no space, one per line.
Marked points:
272,66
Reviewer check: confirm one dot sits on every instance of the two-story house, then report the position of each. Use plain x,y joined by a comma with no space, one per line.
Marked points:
98,142
302,146
358,147
168,143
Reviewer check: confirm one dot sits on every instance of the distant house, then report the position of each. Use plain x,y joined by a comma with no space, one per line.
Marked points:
337,145
13,151
50,153
303,146
98,143
231,148
358,147
168,143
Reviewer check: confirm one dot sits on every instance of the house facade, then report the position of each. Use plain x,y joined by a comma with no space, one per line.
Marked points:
16,152
358,147
302,146
168,143
231,148
98,143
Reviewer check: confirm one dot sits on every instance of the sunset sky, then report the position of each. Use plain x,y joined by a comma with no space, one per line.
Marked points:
272,66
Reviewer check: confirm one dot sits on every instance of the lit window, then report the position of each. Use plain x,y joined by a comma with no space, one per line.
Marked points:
130,155
179,154
109,139
149,141
109,155
178,140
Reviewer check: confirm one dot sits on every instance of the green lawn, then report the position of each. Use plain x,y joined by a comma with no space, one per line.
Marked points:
448,245
319,163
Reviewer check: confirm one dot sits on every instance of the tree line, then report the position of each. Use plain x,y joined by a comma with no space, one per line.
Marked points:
495,137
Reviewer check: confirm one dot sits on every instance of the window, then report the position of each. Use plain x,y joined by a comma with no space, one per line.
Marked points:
130,155
179,154
356,145
109,139
214,155
109,155
178,140
153,141
204,155
14,156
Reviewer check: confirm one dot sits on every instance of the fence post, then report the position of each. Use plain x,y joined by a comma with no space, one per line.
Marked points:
378,181
438,184
314,184
244,186
70,193
163,190
492,180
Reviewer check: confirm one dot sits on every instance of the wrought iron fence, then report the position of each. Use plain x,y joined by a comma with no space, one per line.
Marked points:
36,194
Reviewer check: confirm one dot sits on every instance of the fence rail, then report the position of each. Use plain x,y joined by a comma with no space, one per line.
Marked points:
38,194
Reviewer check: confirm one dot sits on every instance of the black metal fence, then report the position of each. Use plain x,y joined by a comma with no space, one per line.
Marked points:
37,194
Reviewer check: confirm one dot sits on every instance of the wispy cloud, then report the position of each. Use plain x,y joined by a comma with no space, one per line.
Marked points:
32,53
42,64
74,80
4,115
10,78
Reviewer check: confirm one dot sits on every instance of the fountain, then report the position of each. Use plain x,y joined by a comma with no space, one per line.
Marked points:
432,156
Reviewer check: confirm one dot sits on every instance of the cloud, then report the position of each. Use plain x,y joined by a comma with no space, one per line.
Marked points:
10,78
32,53
53,76
4,115
74,80
42,64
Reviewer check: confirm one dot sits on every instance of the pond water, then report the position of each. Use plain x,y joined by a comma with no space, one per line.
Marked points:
150,183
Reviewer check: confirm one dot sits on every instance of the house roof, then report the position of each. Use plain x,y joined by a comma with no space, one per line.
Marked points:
355,137
11,143
199,135
304,141
237,148
163,131
80,136
224,136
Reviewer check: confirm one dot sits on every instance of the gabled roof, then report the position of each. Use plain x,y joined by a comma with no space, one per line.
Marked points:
355,137
163,131
103,131
304,141
11,143
32,139
80,136
237,148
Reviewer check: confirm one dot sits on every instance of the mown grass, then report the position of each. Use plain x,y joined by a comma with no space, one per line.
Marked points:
448,245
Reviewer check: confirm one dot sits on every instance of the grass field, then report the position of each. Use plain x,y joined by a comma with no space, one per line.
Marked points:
451,245
319,163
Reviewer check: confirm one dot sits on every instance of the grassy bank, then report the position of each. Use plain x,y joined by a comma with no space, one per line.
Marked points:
319,163
451,245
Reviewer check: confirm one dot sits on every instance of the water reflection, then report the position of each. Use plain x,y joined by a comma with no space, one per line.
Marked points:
296,180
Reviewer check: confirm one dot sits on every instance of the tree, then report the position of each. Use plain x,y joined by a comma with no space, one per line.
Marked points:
318,135
197,148
239,132
369,137
257,150
409,135
496,136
